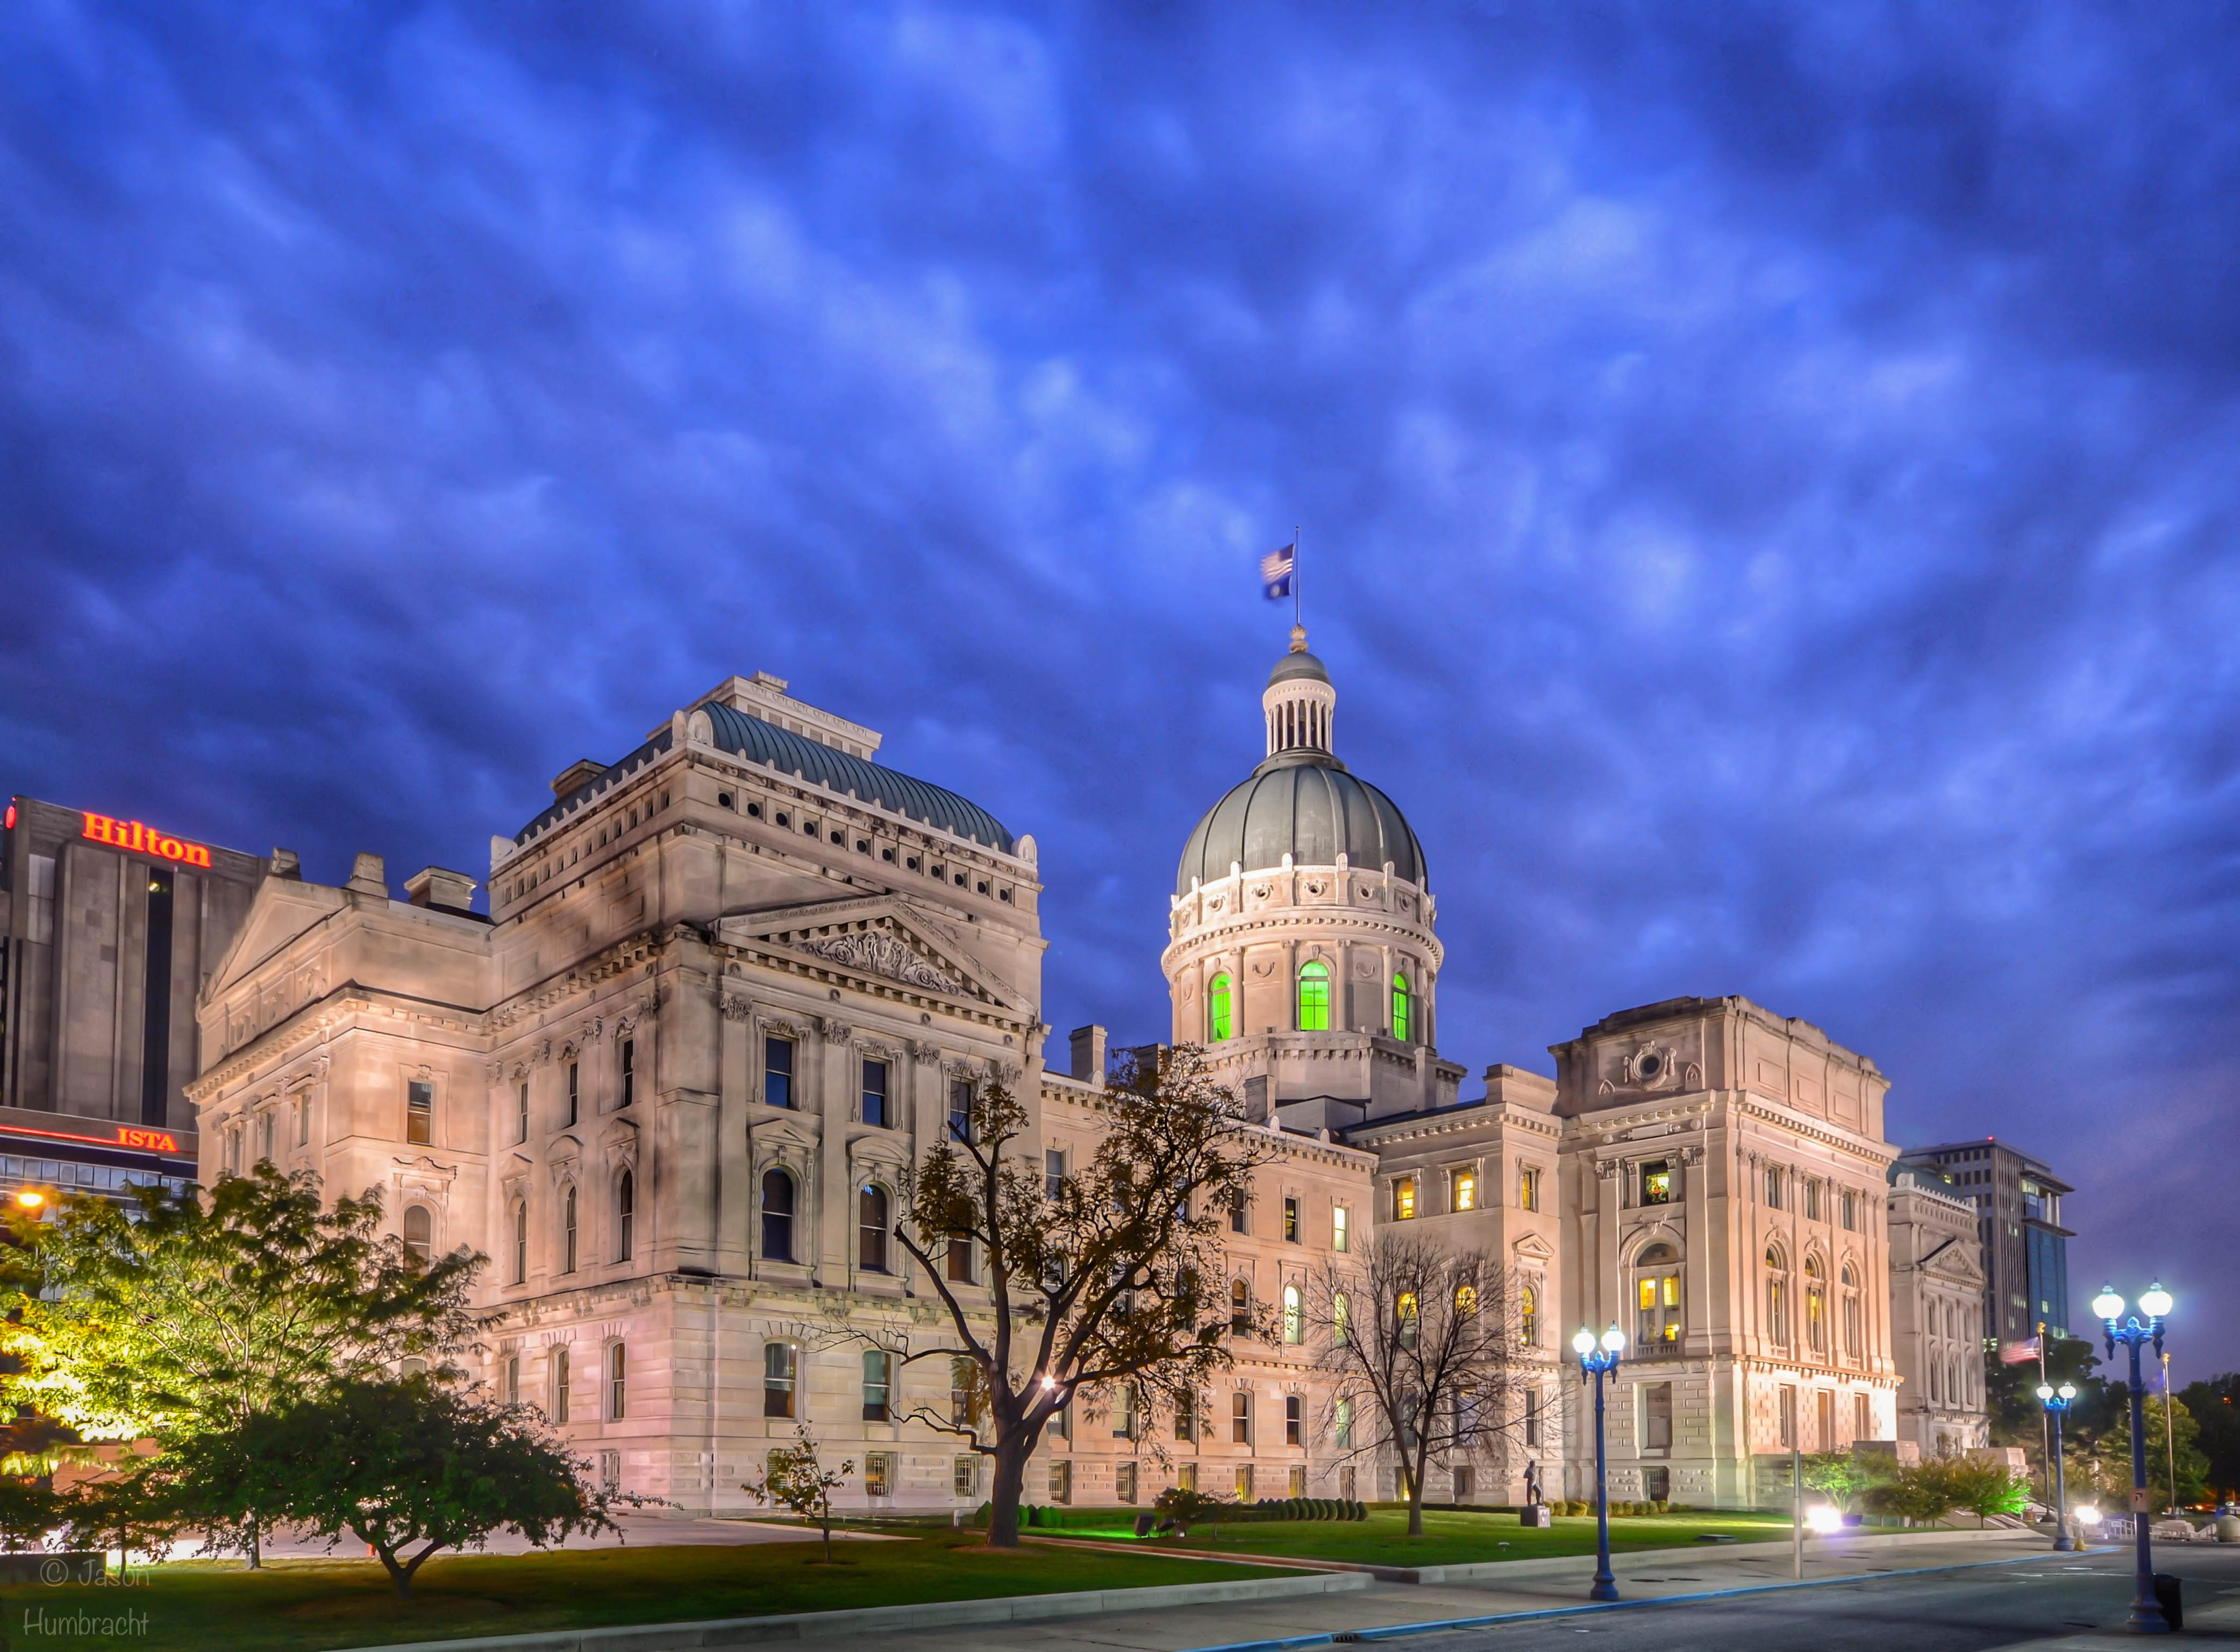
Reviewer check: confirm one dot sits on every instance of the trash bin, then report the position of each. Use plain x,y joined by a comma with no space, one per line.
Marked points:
2228,1529
2166,1596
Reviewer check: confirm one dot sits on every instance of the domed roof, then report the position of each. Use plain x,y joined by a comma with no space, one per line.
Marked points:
1296,665
1303,804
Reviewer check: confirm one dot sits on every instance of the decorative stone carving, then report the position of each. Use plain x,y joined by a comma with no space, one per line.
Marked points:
834,1032
737,1010
877,952
925,1055
1608,1169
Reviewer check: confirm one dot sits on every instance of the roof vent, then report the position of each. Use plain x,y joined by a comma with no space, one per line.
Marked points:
576,776
441,891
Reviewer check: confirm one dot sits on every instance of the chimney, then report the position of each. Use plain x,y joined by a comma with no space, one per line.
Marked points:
575,775
1088,1054
441,891
286,862
368,877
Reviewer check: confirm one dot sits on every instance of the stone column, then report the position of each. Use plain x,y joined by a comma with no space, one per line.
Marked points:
836,1102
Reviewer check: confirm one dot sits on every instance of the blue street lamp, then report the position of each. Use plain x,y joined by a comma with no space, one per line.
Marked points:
2154,1302
1613,1343
2057,1402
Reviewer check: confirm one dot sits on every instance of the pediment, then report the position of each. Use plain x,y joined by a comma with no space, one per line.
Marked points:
280,911
1533,1248
882,942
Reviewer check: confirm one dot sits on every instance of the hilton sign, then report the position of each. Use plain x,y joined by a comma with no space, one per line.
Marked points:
132,835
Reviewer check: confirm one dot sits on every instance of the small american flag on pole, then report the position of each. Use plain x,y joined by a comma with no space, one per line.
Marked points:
1276,570
2015,1353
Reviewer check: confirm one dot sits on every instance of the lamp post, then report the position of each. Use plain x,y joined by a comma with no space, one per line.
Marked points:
1597,1363
2056,1402
2154,1302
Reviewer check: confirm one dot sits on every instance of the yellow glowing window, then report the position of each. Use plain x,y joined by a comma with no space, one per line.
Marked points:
1220,1017
1466,1299
1649,1293
1465,1192
1406,1306
1404,1198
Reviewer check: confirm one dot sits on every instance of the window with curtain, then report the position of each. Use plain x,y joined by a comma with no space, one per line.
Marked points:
777,1216
872,1228
1314,997
1401,1008
1657,1298
1220,1009
1528,1315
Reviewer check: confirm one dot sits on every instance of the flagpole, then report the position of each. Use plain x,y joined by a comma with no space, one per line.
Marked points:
1296,603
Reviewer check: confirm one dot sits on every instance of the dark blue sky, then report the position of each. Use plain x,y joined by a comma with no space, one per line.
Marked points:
1769,476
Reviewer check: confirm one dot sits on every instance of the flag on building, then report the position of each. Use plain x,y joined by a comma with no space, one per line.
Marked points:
2015,1353
1276,569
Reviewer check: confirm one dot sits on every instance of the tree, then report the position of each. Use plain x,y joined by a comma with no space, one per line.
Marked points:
2114,1450
29,1509
408,1465
792,1480
1422,1345
1838,1475
1187,1508
1985,1488
2016,1414
1107,1281
189,1314
1921,1492
2215,1407
127,1509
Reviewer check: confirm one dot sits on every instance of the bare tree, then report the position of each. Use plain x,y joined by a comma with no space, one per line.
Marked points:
1105,1281
1423,1349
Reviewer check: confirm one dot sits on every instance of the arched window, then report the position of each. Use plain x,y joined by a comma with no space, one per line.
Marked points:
568,1230
625,1216
520,1240
1776,1295
617,1383
1339,1319
1853,1317
1314,997
1656,1297
777,1379
1220,1009
1465,1300
1294,1319
1816,1306
1528,1316
1400,1008
871,1227
1406,1317
777,1218
419,1232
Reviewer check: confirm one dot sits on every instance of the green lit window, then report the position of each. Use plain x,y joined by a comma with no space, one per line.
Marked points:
1400,1007
1314,997
1220,1020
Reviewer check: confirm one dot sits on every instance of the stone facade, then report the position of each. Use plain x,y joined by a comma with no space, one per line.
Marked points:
1936,1310
731,985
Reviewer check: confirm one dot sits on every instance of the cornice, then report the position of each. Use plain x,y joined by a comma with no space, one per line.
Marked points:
316,1019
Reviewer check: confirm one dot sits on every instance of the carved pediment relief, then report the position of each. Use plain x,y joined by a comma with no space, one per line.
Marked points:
1532,1248
882,940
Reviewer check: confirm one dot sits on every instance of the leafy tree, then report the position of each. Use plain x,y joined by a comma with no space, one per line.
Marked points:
1838,1475
408,1465
1111,1286
1188,1509
2017,1414
2215,1408
2113,1449
1423,1345
1985,1488
1922,1492
127,1509
791,1479
29,1509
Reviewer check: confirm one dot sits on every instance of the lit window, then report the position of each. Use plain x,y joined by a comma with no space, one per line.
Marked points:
1240,1307
1465,1190
1400,1008
1314,997
1656,1297
1123,1482
1338,1229
1528,1189
1528,1316
1294,1318
1291,1221
1656,1182
1465,1300
1220,1009
777,1379
1339,1319
1404,1198
879,1474
419,1112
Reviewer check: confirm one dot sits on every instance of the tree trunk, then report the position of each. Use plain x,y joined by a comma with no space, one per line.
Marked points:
1413,1487
255,1545
1004,1495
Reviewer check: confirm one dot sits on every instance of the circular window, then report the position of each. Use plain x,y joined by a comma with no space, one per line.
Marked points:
1649,1065
754,810
722,800
782,820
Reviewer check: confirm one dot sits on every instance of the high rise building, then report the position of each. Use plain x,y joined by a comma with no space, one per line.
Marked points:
2017,1201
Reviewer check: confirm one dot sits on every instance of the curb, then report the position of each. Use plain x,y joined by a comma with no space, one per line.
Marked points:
1394,1631
930,1615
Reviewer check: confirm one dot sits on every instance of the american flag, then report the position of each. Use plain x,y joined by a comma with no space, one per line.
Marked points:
1275,570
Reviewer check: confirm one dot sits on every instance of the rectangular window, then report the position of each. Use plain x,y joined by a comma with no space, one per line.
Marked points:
1291,1221
879,1474
1528,1189
1240,1418
1656,1182
302,1115
1465,1485
1773,1189
874,1093
1123,1482
574,1090
521,1111
610,1471
1244,1482
1532,1416
1404,1198
1862,1423
1825,1440
777,1072
964,1478
1123,1413
1299,1479
1053,1172
1342,1425
1812,1202
1186,1476
560,1386
964,1397
1293,1419
1465,1190
960,1109
1657,1417
778,1374
1338,1229
419,1112
1185,1416
1061,1482
1788,1417
628,1072
1347,1483
878,1385
960,1258
1237,1210
1848,1209
513,1380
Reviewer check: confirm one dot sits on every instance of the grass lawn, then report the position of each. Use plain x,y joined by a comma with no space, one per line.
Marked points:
201,1606
1454,1537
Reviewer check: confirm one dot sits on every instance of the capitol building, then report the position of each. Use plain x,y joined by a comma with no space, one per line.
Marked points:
733,984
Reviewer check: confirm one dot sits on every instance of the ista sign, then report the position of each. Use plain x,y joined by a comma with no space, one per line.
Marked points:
138,839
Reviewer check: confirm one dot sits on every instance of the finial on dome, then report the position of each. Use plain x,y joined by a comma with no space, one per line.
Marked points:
1299,639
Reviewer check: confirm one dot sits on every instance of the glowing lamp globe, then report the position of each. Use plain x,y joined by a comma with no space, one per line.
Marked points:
2086,1514
1613,1340
1824,1518
30,1198
1583,1343
2156,1301
2068,1390
2107,1304
2045,1391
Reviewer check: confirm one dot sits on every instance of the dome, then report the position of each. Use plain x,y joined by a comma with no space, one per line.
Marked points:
1292,666
1305,805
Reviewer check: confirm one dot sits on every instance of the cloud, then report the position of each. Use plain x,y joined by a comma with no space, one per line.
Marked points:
1764,475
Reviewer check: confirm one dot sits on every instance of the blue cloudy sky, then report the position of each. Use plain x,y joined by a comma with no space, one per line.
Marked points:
1768,475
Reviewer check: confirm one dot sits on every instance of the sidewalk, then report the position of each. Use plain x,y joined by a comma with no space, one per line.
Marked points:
1551,1586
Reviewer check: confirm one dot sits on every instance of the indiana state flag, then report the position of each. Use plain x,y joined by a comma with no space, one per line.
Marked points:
1275,572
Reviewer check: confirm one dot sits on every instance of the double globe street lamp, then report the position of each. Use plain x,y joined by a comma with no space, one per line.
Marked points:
2056,1402
1597,1363
2156,1304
